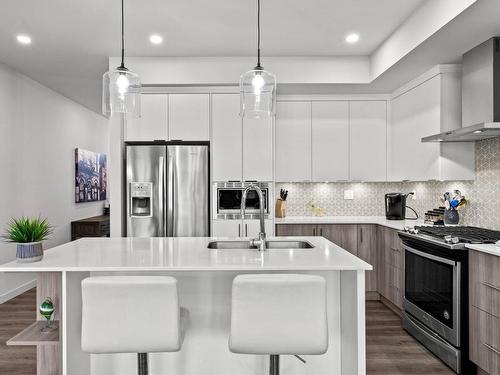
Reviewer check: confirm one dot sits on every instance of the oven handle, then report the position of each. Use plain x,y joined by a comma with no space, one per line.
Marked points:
430,256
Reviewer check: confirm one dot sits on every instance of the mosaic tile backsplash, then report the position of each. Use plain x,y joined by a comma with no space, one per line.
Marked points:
483,193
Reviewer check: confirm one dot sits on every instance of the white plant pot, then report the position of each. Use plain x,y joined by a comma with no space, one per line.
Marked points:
29,252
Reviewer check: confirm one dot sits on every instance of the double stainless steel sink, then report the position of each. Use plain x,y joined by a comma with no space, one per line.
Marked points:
272,244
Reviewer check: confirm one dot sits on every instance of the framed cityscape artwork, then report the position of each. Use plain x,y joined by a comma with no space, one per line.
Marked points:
90,176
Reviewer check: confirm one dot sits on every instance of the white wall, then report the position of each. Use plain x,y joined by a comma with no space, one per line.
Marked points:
202,71
424,22
39,130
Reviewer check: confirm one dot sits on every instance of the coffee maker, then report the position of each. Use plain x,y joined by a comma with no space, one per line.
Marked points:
395,206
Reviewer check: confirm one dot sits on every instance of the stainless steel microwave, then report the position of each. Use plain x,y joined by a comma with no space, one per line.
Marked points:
227,200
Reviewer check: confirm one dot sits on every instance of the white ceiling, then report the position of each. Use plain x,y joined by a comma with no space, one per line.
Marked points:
73,39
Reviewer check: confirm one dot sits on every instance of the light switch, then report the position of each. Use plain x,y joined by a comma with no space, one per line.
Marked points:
348,194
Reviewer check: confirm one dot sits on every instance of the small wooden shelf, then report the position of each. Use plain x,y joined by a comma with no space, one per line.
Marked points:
33,335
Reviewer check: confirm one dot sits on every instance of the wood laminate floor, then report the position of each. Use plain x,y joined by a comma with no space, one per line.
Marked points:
16,315
390,350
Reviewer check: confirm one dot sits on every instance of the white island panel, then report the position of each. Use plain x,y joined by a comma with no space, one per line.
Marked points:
205,280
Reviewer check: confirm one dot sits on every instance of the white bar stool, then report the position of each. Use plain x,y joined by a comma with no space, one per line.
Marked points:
132,314
279,314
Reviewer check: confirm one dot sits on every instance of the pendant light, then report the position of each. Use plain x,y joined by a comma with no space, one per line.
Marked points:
121,88
257,87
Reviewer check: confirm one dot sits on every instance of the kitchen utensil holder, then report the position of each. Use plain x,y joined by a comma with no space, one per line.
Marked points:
451,217
280,208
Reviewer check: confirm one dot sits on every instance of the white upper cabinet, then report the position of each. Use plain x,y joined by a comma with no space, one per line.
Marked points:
293,141
368,140
241,149
258,149
189,117
330,141
425,107
153,121
171,117
227,136
415,114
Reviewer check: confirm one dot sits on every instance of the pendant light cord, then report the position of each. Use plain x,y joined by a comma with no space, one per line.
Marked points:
258,34
123,39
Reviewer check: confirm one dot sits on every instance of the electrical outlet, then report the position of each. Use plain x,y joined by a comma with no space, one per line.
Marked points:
348,194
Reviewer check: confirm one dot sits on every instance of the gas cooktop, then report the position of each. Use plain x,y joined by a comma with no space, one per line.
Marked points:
464,234
453,237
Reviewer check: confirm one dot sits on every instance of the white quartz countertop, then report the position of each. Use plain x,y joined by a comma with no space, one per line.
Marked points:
379,220
186,254
485,248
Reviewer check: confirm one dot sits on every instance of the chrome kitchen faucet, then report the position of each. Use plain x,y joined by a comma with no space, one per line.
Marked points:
261,241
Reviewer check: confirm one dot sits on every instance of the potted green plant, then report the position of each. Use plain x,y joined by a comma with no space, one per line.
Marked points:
28,233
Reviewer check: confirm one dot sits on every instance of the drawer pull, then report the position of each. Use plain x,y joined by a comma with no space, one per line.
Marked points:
491,348
489,285
395,249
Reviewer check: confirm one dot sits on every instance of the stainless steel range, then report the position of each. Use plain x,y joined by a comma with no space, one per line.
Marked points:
435,299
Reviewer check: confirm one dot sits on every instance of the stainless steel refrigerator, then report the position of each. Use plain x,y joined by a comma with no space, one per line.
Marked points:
167,189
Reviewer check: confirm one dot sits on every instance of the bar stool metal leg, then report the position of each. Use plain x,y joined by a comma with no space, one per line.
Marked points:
142,364
274,365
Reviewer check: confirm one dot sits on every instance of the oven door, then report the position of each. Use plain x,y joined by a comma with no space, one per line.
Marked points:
432,292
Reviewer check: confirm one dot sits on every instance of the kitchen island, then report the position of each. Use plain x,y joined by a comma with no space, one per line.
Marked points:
204,279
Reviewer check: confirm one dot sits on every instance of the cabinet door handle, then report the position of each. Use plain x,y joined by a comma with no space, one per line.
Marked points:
395,249
491,348
361,234
321,232
239,230
246,230
490,285
314,231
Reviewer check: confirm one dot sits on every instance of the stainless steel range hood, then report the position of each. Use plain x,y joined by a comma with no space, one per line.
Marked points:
478,132
480,96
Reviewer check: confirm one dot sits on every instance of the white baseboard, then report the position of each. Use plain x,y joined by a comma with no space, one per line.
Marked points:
17,291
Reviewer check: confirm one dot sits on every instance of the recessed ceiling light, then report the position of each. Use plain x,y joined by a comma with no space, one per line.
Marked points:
23,39
478,131
156,39
352,38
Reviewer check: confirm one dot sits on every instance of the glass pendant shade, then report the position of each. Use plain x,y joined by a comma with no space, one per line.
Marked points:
258,94
121,93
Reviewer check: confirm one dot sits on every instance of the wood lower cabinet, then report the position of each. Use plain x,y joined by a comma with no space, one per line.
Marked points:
390,265
484,337
367,250
484,311
379,246
484,282
360,240
344,235
296,230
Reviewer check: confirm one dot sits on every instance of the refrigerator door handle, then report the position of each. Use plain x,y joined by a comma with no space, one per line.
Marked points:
170,197
161,196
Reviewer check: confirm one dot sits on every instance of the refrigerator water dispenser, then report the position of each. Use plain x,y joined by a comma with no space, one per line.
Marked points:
141,194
